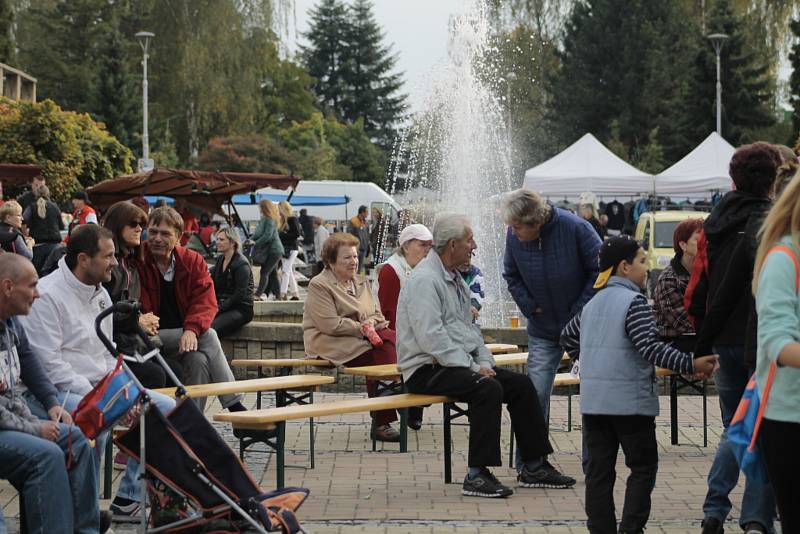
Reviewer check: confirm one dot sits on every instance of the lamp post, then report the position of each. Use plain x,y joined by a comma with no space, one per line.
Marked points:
145,164
717,40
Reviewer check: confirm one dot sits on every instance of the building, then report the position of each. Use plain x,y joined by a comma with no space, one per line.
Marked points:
16,85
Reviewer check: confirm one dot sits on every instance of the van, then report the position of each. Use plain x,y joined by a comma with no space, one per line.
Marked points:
654,231
334,201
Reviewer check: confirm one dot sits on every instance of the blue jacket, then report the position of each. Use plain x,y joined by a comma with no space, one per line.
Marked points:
554,273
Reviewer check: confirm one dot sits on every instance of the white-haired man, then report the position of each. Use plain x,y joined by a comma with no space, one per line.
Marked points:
441,351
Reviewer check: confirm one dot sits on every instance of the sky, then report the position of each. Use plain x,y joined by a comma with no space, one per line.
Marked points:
417,30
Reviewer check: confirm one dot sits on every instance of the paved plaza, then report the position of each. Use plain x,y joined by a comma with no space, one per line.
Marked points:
356,490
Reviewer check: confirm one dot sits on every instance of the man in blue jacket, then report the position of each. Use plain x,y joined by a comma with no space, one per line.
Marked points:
550,266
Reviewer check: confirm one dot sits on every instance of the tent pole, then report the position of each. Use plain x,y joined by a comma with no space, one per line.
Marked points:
241,222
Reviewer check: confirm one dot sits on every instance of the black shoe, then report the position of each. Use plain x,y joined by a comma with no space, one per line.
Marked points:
414,424
105,521
484,484
384,433
712,525
545,477
126,510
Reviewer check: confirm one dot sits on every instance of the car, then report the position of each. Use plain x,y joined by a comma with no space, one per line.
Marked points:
654,230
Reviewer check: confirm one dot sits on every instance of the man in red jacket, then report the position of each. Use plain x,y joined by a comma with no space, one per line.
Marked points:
177,287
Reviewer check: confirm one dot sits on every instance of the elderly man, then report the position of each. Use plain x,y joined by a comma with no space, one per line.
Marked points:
32,450
550,266
61,324
440,351
177,287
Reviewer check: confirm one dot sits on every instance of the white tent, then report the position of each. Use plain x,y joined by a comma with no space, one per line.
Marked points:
587,165
701,171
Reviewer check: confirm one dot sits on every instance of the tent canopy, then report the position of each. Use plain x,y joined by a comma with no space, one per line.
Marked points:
203,189
18,173
587,165
701,171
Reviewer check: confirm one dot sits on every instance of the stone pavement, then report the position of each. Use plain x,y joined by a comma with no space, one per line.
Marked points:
356,490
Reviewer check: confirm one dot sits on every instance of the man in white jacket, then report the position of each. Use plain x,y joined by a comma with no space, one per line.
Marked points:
61,331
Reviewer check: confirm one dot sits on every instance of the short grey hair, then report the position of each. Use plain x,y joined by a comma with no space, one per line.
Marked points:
449,226
524,206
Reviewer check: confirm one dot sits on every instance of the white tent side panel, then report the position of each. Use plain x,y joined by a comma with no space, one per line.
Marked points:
587,165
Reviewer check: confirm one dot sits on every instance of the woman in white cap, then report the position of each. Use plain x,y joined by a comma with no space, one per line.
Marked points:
415,241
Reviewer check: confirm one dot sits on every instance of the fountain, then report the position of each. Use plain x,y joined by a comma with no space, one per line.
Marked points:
458,150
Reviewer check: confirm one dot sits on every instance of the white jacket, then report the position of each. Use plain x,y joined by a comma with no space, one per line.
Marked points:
61,331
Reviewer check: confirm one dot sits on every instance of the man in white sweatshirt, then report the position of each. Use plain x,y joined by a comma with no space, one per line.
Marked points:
61,331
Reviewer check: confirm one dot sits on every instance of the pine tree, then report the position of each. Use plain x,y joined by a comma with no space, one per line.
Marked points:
746,84
116,100
7,46
373,90
794,81
325,57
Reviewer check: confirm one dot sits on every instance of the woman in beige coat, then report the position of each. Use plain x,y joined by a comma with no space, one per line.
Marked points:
343,323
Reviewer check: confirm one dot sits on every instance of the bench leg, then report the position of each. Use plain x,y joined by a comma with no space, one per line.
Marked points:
311,433
280,442
705,417
404,430
511,448
448,468
569,412
673,409
108,466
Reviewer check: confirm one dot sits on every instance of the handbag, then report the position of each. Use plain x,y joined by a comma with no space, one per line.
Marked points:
107,402
746,421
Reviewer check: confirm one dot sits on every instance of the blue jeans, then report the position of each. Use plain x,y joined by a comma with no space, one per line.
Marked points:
544,357
129,486
57,500
758,501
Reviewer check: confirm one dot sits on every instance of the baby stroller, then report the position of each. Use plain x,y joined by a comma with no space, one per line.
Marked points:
194,480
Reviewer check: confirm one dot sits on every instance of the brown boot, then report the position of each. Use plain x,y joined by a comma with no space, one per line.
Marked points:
384,433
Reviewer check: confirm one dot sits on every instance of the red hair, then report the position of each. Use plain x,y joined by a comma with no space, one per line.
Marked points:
683,232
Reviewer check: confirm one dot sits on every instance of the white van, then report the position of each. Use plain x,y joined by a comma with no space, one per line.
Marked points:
333,201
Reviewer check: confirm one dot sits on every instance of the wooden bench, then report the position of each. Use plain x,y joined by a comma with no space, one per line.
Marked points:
276,418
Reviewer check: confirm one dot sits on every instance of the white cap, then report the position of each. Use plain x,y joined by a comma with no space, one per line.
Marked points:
415,231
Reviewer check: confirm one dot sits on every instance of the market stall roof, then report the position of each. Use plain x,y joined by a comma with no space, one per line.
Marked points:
296,200
204,189
18,173
701,171
587,165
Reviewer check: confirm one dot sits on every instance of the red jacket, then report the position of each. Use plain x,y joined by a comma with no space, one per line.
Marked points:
194,289
694,299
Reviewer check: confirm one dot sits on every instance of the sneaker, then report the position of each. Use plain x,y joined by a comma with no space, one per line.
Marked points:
712,525
545,477
120,461
125,510
754,528
485,485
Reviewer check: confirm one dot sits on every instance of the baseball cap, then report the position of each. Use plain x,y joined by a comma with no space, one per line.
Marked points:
415,231
613,251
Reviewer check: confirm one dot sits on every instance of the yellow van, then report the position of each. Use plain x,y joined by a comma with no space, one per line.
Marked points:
654,231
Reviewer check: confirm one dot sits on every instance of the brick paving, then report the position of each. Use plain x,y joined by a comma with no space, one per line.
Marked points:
356,490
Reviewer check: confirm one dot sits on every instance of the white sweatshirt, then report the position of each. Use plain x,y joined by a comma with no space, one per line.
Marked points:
61,331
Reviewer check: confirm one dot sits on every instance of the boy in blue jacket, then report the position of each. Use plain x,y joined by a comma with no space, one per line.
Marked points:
617,339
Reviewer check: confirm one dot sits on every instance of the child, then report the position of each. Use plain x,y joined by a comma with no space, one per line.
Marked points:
474,280
619,348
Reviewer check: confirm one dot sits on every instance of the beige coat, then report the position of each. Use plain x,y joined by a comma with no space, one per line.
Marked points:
332,318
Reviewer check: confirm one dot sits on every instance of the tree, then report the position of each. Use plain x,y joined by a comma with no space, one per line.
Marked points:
251,153
74,151
373,90
8,52
633,69
116,100
747,100
326,56
794,81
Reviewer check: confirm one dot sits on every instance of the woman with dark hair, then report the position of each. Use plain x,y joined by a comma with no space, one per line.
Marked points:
44,222
233,284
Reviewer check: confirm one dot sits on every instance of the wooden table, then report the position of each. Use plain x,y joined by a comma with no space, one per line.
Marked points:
276,383
501,348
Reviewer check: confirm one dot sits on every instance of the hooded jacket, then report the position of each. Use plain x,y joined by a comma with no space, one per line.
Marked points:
552,277
724,229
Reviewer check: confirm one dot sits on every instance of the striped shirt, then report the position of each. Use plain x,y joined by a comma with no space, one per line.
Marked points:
640,326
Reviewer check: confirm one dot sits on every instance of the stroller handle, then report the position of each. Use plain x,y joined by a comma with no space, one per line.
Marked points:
105,313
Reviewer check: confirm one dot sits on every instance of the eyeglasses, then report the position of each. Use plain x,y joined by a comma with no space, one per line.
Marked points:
135,224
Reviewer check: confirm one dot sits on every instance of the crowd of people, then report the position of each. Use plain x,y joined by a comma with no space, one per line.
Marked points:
727,306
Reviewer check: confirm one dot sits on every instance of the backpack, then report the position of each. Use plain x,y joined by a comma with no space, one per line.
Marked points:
746,422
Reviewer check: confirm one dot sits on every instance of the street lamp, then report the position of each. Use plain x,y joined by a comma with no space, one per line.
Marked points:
145,164
717,40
